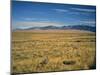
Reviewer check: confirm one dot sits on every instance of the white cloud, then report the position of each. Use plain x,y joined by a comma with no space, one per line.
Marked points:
91,22
29,19
34,19
84,10
60,10
34,24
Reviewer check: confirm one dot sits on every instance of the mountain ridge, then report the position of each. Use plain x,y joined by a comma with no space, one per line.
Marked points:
77,27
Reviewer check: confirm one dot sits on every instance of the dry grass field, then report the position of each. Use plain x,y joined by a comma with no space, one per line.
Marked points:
52,50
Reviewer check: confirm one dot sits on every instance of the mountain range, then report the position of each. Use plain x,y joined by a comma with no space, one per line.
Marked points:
77,27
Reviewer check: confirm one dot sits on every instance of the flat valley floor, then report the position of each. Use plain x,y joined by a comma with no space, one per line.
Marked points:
52,50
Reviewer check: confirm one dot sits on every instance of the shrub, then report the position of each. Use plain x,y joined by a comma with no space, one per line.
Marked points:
66,62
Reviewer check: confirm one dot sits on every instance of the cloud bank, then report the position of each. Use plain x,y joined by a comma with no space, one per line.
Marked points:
34,24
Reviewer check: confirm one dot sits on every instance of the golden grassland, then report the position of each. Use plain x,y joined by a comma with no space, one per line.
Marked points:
52,50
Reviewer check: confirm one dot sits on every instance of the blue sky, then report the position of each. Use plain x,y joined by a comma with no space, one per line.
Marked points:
34,14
